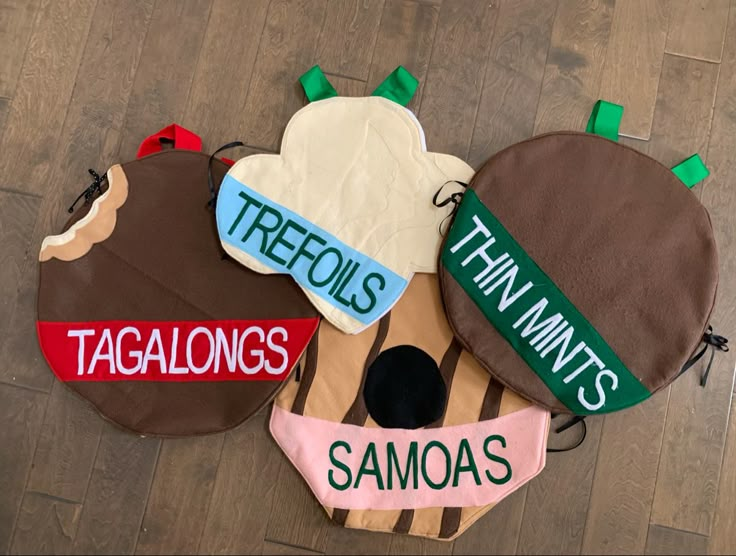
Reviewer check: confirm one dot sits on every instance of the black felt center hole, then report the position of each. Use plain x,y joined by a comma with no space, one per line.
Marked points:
404,389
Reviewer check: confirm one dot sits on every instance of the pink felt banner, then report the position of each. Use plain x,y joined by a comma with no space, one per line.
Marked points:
353,467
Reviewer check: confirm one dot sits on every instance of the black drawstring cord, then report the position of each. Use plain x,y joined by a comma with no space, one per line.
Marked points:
455,198
95,187
710,340
562,428
210,179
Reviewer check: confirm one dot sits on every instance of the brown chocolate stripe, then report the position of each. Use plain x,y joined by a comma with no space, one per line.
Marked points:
450,522
358,412
308,373
447,370
491,401
340,516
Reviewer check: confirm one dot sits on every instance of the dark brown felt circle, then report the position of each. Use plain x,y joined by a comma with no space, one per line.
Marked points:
164,261
626,242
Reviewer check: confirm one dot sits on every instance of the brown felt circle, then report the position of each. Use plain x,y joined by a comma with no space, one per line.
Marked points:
626,242
163,261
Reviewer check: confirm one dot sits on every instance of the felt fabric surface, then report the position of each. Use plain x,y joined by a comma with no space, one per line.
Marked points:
194,342
328,428
620,236
346,208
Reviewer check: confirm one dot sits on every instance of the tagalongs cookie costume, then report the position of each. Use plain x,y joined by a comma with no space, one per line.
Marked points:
580,272
140,313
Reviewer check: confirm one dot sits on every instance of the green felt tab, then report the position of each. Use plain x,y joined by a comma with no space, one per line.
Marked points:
316,86
400,86
605,119
691,170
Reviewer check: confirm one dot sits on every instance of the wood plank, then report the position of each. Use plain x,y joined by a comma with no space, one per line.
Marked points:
165,72
89,138
574,68
287,50
404,38
455,76
180,495
697,28
243,491
347,87
684,110
557,499
356,541
21,413
46,525
663,540
634,62
215,108
44,87
296,517
407,544
513,79
117,494
278,549
719,197
687,480
16,25
497,532
61,469
348,36
625,475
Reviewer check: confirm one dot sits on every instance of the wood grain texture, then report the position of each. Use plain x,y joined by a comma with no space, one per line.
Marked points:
21,413
278,549
634,62
557,499
165,71
356,541
117,493
719,197
513,77
347,87
180,495
348,36
243,491
665,541
697,414
43,90
625,475
46,525
497,532
572,76
216,105
405,38
456,71
697,28
89,138
16,25
287,50
406,544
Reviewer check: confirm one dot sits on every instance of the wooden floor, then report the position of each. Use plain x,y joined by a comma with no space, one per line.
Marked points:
83,81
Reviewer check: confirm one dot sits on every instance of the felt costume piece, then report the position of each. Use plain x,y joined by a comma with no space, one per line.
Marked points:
581,273
346,208
398,429
140,312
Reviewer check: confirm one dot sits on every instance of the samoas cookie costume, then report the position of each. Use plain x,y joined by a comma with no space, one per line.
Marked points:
140,313
580,272
398,429
346,207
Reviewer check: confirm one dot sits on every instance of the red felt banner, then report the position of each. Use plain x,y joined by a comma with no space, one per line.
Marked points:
175,351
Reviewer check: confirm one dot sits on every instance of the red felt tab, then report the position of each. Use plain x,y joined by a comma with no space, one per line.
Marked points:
175,351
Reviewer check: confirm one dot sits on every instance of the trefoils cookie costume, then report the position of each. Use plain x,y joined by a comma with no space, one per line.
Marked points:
582,273
346,207
140,313
398,429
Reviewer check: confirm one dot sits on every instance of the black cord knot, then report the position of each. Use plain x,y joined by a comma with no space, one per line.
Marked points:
94,188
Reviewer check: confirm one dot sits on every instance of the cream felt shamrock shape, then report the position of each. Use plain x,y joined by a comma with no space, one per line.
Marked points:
346,208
